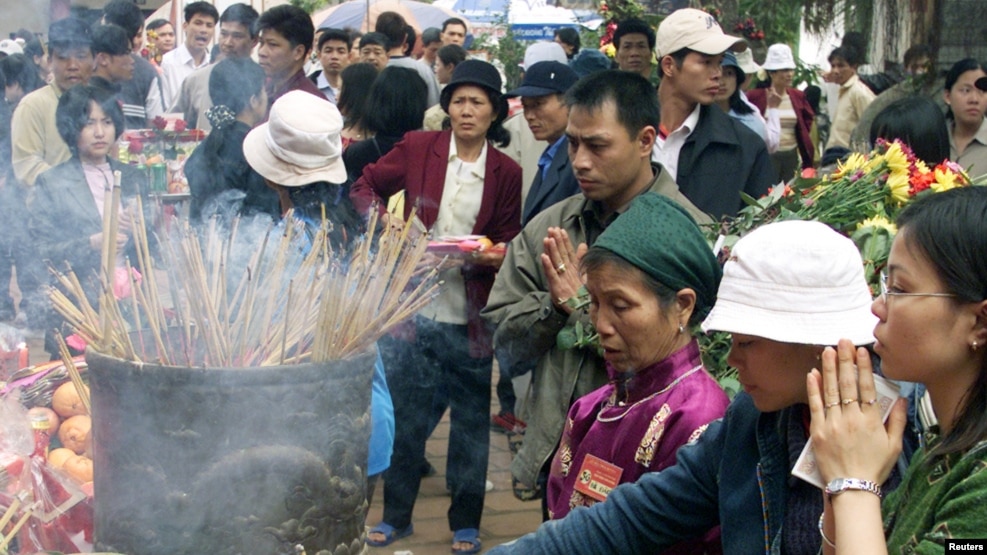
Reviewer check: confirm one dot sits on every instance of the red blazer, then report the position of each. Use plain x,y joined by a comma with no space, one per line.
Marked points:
417,165
804,116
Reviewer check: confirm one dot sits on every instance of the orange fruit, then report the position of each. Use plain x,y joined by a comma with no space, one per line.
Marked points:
66,400
74,433
79,467
57,457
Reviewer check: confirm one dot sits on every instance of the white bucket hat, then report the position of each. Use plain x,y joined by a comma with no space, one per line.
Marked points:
746,62
300,143
795,282
779,57
10,47
696,30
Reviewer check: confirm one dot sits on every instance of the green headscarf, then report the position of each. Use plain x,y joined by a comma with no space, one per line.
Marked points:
660,238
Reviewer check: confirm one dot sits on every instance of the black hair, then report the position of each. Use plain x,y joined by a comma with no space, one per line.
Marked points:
597,259
373,38
430,35
291,23
397,102
680,55
961,67
848,54
74,107
570,37
917,122
454,21
156,24
632,26
125,14
337,35
496,133
813,93
33,47
243,14
452,54
110,39
20,69
201,8
357,82
409,39
346,221
957,70
234,81
392,26
737,104
917,52
633,96
950,231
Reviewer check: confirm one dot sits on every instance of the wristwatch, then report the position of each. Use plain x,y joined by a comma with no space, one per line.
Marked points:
839,485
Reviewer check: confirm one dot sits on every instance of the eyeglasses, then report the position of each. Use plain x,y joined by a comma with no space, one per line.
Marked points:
885,293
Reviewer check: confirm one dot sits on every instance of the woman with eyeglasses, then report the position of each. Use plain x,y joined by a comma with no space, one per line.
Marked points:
967,105
932,329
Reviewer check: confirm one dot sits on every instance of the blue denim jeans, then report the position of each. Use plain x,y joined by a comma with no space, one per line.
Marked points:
438,358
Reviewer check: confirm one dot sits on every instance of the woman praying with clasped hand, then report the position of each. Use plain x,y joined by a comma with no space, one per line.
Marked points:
932,329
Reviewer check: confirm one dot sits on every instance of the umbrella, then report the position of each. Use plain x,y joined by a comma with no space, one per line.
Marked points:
362,14
529,19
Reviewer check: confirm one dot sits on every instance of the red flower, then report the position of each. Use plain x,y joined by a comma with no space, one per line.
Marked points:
808,173
135,147
159,123
180,125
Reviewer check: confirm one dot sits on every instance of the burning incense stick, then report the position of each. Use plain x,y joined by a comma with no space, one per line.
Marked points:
295,299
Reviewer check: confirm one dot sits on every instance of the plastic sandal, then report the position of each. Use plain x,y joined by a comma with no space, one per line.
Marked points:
470,536
390,533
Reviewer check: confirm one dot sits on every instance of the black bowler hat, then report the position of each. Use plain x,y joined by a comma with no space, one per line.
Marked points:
546,78
981,83
471,72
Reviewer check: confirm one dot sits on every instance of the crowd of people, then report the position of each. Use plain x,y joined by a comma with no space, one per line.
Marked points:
590,178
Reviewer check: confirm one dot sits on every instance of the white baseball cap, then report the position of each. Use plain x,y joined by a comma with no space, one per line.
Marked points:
696,30
10,47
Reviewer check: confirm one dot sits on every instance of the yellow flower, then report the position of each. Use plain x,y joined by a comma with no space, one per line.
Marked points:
610,50
879,222
945,180
896,159
921,167
854,162
898,186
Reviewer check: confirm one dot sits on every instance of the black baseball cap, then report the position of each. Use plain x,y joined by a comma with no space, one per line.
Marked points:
544,78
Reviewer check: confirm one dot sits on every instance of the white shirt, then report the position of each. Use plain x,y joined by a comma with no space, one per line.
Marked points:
666,151
332,93
175,67
462,193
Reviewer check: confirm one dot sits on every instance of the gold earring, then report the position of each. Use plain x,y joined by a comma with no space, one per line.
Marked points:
974,346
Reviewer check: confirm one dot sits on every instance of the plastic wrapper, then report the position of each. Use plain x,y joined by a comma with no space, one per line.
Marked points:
44,508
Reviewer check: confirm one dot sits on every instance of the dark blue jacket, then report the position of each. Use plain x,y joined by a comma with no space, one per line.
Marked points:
721,158
559,184
736,475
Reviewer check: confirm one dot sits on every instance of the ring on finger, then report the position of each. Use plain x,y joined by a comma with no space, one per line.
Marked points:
848,401
833,404
560,268
869,403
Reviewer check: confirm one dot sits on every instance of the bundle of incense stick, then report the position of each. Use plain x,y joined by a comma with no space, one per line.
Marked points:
295,301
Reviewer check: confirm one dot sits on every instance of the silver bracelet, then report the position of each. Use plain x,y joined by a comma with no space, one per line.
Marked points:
828,541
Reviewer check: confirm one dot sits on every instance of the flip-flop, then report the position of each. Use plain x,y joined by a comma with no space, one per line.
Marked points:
467,535
391,534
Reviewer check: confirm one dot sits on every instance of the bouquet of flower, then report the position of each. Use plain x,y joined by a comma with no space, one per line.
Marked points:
861,199
749,29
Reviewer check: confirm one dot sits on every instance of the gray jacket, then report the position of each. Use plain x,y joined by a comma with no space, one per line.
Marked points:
528,322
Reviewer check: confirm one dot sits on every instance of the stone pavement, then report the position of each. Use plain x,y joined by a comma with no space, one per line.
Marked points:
504,517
